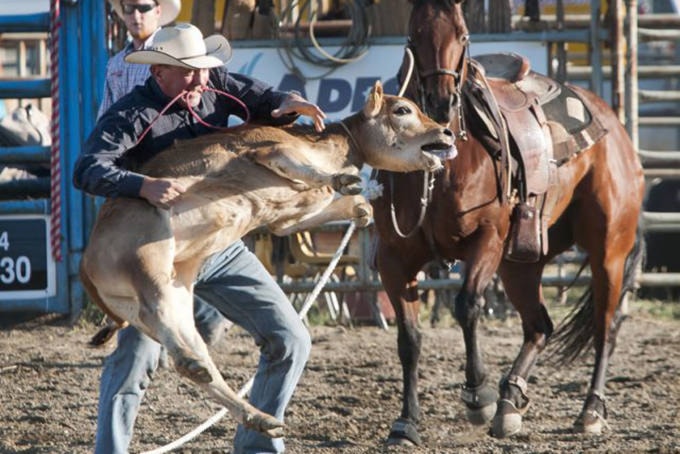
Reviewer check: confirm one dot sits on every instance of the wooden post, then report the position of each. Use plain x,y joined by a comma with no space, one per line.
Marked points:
618,55
475,16
595,48
500,16
241,20
561,53
632,72
203,16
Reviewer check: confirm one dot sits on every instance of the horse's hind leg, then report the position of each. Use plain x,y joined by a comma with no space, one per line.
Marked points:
166,315
610,266
523,286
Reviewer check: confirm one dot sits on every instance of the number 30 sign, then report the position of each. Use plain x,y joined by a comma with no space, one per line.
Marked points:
26,266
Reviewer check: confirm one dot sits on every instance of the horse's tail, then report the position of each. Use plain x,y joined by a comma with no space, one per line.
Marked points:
574,336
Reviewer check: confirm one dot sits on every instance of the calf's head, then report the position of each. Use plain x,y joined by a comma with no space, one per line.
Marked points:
397,136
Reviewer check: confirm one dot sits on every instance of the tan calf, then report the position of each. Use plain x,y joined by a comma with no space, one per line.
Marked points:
141,261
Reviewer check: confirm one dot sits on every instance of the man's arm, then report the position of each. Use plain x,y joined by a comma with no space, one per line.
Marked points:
294,103
265,104
98,169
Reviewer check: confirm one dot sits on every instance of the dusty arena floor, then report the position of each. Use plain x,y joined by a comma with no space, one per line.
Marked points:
349,395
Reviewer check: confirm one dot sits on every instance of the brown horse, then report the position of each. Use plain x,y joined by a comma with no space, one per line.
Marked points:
593,200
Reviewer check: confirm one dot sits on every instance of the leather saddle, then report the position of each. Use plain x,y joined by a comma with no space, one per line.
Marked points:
544,124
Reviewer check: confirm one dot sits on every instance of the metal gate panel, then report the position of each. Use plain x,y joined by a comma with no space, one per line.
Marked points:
82,65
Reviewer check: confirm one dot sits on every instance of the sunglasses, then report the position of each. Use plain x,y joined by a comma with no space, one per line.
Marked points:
143,8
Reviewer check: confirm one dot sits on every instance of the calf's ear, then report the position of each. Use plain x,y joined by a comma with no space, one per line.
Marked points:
375,101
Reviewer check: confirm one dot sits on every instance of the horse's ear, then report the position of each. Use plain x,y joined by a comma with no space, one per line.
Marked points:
375,101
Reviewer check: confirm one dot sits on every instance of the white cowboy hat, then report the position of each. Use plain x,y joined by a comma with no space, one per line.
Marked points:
169,10
183,45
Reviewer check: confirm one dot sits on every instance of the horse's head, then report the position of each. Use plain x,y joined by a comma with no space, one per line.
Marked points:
438,40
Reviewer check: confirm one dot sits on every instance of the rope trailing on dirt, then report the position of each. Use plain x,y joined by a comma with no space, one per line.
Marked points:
55,156
245,388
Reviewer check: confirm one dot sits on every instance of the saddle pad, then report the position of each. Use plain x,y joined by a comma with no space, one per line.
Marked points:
568,110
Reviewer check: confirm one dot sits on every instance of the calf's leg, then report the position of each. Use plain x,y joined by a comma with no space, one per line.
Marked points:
166,314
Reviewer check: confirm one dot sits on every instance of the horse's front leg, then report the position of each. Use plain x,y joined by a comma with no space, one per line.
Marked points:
477,394
399,281
522,284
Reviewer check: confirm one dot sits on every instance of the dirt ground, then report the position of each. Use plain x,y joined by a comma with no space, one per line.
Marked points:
350,393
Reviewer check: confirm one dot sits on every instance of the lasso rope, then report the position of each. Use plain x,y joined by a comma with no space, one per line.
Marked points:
184,95
354,47
55,155
244,390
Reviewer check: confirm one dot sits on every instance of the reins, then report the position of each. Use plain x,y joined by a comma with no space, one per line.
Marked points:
183,95
428,185
428,179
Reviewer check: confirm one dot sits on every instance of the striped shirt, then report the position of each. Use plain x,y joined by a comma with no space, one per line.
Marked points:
122,77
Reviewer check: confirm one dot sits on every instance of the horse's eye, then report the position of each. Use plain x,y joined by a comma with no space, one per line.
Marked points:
402,110
464,39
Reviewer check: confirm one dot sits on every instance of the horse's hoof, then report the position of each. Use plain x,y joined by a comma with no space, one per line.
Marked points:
399,442
403,433
480,403
193,369
590,423
481,416
508,420
265,424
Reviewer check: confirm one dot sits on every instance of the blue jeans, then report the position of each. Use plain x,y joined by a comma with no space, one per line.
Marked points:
237,284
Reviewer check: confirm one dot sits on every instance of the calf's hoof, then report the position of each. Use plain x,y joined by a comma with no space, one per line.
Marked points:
299,185
347,183
193,369
363,213
265,424
103,336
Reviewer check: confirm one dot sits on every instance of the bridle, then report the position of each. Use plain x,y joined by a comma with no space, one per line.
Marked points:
458,74
456,100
